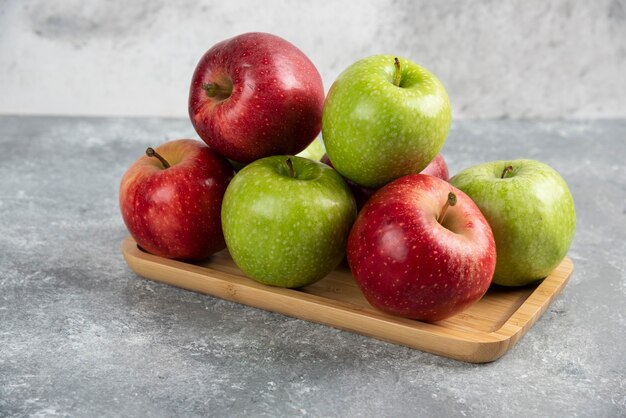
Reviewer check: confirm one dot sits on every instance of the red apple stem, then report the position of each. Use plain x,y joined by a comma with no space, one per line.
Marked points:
506,171
290,167
150,152
217,90
398,76
450,202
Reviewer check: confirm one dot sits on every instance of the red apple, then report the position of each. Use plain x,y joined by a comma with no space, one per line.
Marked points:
256,95
421,249
171,200
437,168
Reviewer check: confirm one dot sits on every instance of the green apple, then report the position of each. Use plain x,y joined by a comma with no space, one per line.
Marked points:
531,213
315,151
384,117
286,220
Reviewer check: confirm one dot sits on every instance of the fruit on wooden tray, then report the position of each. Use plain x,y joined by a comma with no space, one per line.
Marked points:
256,95
384,117
171,199
420,248
286,220
531,212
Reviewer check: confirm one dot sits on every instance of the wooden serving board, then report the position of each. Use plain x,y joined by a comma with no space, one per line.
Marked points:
480,334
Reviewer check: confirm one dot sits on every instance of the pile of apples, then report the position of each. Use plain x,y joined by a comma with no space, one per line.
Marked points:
419,245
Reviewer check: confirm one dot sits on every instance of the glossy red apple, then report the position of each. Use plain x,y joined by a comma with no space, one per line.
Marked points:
437,168
171,200
421,249
256,95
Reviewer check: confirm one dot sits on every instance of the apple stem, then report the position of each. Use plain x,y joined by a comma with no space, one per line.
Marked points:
506,171
150,152
450,202
216,90
290,167
398,76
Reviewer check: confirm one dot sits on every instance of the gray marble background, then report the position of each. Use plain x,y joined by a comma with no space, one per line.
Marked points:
498,59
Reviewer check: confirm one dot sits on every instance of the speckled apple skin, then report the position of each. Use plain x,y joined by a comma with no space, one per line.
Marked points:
175,212
314,151
375,131
407,263
531,212
437,168
284,231
276,102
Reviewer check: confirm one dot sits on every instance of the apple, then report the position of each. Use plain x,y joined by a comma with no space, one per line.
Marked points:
256,95
171,200
421,249
286,220
361,194
437,168
315,151
384,118
531,212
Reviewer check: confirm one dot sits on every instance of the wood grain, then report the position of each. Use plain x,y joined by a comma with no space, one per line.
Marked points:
480,334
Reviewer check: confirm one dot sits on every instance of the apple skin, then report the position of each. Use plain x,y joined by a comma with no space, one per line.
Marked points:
375,131
361,194
531,212
175,212
437,168
315,151
274,107
409,264
287,231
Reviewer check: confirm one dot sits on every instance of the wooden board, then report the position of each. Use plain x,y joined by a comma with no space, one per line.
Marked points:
480,334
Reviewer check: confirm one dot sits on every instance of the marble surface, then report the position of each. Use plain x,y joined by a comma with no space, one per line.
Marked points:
82,336
517,59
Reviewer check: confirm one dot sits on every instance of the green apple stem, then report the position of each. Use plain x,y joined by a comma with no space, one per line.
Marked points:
450,202
398,76
150,152
217,90
290,167
506,171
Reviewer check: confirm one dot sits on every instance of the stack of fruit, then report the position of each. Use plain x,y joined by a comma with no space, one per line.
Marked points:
418,245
